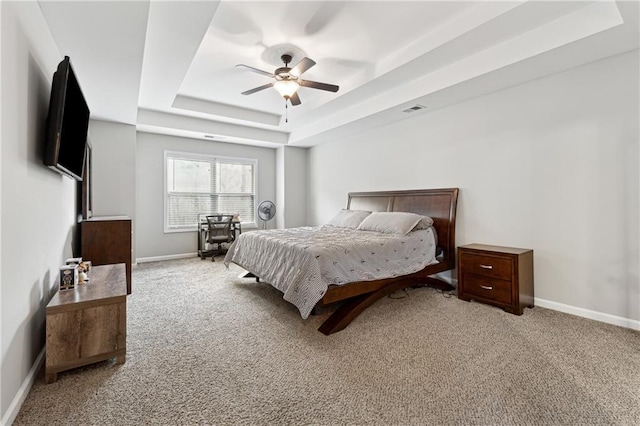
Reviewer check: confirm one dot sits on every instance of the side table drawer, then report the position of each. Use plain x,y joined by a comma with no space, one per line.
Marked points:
489,266
487,288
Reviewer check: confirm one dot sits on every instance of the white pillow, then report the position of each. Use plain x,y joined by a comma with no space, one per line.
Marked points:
391,222
348,218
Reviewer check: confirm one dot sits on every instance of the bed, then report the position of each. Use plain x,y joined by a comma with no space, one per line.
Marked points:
319,266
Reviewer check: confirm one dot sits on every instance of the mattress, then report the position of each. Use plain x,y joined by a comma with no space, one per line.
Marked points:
303,262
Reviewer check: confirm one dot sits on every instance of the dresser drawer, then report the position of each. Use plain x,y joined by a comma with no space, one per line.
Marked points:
487,288
488,266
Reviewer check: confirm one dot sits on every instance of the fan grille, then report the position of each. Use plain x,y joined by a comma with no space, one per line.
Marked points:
266,210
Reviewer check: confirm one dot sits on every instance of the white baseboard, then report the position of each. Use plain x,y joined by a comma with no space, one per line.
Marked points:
167,257
573,310
23,392
586,313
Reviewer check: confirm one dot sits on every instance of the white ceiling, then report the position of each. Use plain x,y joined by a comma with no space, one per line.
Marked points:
170,67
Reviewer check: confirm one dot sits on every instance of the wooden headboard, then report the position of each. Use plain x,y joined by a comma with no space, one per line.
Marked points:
439,204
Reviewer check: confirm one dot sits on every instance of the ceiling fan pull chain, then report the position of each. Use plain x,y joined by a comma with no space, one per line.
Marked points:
286,111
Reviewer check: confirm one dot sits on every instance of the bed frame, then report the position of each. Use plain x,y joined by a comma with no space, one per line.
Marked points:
440,205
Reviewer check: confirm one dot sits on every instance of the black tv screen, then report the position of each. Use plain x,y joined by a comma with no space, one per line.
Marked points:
67,124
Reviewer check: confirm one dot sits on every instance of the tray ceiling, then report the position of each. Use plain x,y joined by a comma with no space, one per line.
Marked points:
170,67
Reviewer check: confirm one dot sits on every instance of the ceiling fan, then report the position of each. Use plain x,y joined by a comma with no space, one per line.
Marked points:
288,79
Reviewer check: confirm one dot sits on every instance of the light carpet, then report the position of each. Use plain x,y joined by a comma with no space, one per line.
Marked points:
206,347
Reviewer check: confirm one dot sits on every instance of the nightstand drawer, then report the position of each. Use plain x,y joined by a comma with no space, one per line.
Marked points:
488,266
487,288
502,276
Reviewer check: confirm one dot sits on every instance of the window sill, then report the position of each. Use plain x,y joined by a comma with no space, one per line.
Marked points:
244,225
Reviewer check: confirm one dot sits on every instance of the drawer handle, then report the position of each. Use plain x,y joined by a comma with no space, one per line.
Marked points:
486,266
487,287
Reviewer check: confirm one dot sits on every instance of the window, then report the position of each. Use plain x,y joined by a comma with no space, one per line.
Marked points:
196,184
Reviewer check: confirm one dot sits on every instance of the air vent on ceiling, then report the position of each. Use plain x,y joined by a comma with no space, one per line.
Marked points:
414,108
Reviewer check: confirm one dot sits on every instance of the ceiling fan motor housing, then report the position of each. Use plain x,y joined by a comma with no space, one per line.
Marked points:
283,74
286,59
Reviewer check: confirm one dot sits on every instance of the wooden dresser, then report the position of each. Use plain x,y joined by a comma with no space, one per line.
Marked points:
500,276
106,240
89,323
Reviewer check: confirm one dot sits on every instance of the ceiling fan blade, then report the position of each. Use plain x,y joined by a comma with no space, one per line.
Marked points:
321,86
257,89
303,65
295,99
255,70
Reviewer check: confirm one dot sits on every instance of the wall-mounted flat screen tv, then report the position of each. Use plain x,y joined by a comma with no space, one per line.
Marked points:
67,124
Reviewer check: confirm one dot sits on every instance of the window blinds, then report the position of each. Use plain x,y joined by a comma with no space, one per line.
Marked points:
199,185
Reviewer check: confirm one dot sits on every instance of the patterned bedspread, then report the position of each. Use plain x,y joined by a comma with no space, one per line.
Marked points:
303,262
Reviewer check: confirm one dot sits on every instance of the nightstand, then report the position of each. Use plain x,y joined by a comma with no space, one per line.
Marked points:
500,276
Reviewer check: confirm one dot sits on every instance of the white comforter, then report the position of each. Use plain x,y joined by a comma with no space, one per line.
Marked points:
303,262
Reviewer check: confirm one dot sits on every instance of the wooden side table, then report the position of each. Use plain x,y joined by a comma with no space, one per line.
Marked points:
88,324
500,276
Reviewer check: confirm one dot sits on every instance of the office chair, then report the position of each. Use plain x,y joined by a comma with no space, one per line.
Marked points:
219,232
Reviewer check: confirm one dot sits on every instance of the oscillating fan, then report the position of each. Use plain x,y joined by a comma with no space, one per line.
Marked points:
266,212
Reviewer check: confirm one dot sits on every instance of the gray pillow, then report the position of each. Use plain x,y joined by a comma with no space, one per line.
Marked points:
348,218
392,222
425,223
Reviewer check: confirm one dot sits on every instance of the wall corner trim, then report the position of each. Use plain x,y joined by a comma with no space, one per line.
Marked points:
587,313
23,392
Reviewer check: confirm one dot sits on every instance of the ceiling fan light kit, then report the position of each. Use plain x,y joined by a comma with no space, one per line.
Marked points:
286,88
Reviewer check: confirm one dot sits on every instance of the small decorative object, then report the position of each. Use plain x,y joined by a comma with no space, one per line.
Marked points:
68,277
73,261
236,217
83,268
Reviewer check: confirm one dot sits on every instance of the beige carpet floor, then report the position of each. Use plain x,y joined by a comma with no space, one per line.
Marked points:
205,347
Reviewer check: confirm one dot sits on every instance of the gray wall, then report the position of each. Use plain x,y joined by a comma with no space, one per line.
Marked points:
280,188
291,200
37,220
151,239
114,170
550,165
